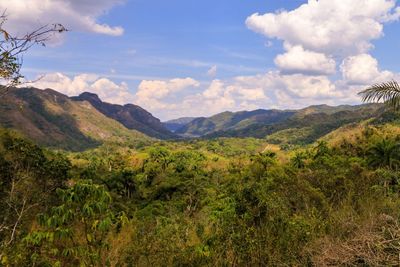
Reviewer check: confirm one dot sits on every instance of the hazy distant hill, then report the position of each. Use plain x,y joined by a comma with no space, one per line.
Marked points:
131,116
53,119
174,125
305,125
232,121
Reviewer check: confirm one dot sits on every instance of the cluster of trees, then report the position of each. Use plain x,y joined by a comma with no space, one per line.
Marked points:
189,204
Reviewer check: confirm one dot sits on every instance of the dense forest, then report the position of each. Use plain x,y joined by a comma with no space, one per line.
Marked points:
199,202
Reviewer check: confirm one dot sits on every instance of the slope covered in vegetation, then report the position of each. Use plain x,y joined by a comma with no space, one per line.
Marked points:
221,202
131,116
307,125
54,120
231,121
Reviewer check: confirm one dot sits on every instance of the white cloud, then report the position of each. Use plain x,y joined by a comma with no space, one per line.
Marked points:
298,60
107,90
215,90
212,72
295,85
160,89
179,97
301,86
363,69
334,27
150,93
316,36
268,90
75,15
251,94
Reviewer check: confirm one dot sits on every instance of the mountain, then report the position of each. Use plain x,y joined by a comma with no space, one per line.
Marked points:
232,121
53,119
131,116
306,125
326,109
174,125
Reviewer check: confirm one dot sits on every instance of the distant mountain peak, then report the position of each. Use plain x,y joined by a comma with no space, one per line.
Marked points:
130,115
89,97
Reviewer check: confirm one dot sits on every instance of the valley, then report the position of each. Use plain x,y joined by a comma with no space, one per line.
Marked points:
251,187
199,133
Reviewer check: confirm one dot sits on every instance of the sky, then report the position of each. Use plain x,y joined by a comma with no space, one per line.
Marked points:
180,58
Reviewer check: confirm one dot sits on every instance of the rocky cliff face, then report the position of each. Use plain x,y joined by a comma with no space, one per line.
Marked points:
53,119
131,116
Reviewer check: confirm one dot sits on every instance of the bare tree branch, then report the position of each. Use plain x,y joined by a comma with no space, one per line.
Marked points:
12,49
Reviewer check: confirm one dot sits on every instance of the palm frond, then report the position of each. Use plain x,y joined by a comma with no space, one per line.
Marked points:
388,92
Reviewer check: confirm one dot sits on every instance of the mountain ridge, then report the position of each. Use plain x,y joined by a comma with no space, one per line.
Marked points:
85,121
54,120
176,124
131,116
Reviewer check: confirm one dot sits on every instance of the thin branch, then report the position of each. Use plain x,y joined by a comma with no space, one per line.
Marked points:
12,49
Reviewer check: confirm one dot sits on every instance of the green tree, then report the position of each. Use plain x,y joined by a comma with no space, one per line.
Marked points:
321,150
261,162
160,155
75,232
389,92
384,154
298,161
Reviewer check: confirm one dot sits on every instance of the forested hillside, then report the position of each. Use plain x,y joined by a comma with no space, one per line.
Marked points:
220,202
176,124
232,121
52,119
306,125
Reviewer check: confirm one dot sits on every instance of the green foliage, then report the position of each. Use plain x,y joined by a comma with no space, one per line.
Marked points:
384,154
74,232
221,202
29,177
388,92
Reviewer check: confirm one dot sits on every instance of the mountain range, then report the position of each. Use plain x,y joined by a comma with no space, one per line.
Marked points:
300,126
77,123
85,121
131,116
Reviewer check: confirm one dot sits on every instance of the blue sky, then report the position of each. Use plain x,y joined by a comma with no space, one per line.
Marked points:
195,58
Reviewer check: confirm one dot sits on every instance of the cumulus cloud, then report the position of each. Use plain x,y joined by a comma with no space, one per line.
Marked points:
215,90
335,27
268,90
106,89
296,85
317,34
150,92
178,97
363,69
160,89
251,94
76,15
298,60
317,37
